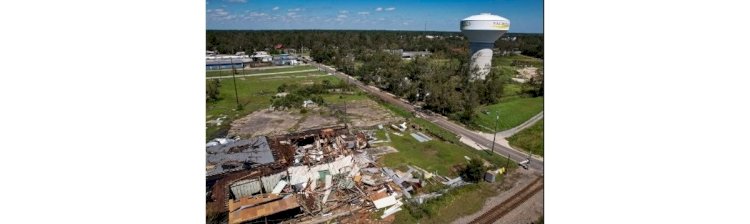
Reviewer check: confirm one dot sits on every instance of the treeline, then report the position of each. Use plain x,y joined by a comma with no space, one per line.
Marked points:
357,41
441,85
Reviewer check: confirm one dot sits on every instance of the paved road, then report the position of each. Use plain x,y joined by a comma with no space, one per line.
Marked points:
261,74
439,120
524,125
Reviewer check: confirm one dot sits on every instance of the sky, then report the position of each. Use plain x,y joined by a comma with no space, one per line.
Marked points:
526,16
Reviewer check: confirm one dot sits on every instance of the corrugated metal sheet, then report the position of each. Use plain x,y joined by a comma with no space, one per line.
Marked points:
270,208
269,182
302,174
245,188
233,205
255,151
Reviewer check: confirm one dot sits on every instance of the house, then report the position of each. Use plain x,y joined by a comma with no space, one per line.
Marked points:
285,59
408,55
261,56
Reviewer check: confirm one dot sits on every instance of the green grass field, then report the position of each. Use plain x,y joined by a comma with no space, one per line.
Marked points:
261,71
436,130
508,60
512,113
435,155
530,139
440,155
254,93
340,98
512,89
456,203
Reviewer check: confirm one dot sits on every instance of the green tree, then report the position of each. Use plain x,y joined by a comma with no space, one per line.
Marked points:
212,90
473,171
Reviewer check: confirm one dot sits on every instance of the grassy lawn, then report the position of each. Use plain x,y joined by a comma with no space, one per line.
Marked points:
531,138
513,112
254,94
260,71
512,89
440,155
434,155
508,60
340,98
436,130
456,203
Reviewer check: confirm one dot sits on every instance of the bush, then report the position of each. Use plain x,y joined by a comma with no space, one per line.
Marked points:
474,171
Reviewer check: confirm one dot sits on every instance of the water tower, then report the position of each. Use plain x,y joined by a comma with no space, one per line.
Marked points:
482,30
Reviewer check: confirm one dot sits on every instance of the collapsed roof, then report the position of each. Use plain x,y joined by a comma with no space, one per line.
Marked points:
238,155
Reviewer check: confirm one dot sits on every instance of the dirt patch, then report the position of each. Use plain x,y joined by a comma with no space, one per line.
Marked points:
361,113
316,119
527,72
367,113
527,212
264,122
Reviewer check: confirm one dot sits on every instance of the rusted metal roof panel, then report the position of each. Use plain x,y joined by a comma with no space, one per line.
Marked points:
270,208
233,205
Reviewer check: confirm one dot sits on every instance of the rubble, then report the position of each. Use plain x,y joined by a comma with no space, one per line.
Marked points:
311,176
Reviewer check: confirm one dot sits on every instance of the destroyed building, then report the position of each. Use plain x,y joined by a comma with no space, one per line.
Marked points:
244,154
305,177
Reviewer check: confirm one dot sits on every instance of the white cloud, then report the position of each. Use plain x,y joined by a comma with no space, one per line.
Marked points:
237,1
219,14
275,8
379,9
344,11
216,13
390,9
342,16
256,16
364,13
294,10
291,13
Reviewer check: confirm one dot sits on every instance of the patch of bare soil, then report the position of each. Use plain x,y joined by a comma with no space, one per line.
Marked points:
367,113
362,113
527,212
264,122
527,72
317,119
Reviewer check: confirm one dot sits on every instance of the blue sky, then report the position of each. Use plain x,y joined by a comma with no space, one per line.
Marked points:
440,15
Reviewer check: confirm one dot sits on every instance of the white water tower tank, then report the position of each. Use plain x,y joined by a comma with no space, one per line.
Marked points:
482,31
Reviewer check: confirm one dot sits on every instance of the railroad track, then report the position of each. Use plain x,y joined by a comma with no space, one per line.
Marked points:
508,205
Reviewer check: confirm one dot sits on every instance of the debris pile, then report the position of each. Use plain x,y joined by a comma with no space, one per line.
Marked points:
310,177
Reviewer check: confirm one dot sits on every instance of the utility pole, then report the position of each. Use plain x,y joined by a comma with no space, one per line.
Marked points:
234,80
494,134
